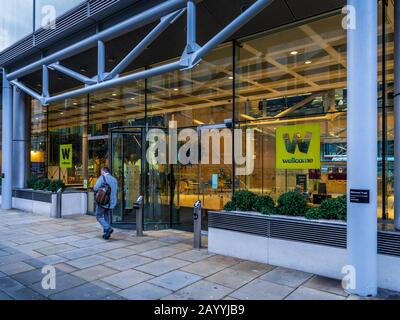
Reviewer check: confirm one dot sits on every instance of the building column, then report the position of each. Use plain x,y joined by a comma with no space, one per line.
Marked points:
7,148
362,137
20,139
397,115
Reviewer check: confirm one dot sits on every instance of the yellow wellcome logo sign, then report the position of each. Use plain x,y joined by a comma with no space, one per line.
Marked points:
298,147
66,156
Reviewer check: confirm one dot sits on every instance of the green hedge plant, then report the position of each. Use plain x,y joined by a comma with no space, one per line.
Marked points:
244,200
38,184
334,209
330,209
248,201
41,184
289,204
32,181
265,205
56,185
314,214
292,204
230,206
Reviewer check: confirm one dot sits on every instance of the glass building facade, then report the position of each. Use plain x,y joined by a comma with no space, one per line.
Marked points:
20,18
269,82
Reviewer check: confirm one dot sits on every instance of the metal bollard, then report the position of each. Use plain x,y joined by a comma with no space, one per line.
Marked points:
197,225
138,206
58,213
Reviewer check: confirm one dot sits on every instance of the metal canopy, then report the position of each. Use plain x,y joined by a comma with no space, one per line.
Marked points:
168,12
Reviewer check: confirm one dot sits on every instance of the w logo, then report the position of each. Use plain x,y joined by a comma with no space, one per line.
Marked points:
66,154
298,141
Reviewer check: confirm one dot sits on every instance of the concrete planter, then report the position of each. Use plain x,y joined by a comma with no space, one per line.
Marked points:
45,203
318,247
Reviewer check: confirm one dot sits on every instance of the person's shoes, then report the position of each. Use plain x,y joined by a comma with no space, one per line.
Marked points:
108,234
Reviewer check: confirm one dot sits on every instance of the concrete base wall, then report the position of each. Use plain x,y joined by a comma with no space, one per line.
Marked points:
72,204
321,260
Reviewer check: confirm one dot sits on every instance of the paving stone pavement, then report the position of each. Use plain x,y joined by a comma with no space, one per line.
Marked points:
162,265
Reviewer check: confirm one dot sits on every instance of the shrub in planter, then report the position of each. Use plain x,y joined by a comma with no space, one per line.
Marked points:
230,206
32,181
268,210
334,209
292,204
56,185
244,200
342,213
331,209
314,214
41,184
265,205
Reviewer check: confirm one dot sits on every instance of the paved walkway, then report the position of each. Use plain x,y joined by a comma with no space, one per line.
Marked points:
162,265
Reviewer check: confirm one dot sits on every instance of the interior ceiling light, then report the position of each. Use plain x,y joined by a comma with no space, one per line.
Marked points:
308,62
293,53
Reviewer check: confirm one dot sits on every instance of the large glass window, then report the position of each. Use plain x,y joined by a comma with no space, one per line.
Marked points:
290,84
192,99
16,21
19,18
67,140
386,117
121,107
38,139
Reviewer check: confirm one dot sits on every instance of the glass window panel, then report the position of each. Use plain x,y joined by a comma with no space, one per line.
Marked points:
289,78
16,21
38,139
67,125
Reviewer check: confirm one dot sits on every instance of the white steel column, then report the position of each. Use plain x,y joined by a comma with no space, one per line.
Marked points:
362,140
7,157
20,139
397,115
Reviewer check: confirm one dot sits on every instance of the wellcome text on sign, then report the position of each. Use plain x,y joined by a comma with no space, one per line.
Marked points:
298,147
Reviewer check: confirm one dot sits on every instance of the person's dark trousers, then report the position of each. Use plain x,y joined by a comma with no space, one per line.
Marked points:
102,216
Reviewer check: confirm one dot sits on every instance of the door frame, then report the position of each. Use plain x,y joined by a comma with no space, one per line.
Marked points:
126,130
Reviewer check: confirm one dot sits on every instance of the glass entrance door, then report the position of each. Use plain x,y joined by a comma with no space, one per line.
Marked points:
137,177
127,168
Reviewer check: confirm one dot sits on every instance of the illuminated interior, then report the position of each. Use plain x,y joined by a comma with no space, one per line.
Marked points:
291,76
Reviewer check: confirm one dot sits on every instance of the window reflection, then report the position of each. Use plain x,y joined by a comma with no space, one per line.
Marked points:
289,78
19,18
16,21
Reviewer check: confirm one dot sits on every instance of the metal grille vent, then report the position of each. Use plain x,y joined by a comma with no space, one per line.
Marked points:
316,233
36,196
18,49
326,234
96,6
389,243
253,225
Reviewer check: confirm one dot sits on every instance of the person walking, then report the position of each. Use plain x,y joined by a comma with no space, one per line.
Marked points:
105,189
